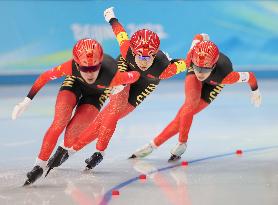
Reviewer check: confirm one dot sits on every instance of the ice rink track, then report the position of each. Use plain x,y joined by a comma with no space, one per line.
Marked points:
215,174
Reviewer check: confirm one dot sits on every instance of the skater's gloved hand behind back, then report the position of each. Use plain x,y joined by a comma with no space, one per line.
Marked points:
109,14
20,108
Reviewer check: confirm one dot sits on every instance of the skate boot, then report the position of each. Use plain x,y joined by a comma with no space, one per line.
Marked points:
60,156
33,175
177,151
94,160
143,152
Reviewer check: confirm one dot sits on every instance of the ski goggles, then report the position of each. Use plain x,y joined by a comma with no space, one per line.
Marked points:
87,69
202,69
145,58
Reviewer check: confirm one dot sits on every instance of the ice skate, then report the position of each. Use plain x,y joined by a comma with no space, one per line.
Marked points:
177,151
143,152
60,156
33,175
173,158
94,160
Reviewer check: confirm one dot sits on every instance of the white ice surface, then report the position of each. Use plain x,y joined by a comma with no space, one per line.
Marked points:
228,124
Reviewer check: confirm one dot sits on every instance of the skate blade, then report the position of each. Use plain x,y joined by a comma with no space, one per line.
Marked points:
48,171
87,169
174,158
132,156
27,182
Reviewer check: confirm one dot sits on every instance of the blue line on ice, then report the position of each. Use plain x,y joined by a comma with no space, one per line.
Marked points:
107,196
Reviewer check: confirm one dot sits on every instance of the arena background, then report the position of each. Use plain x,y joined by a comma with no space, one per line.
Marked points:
37,35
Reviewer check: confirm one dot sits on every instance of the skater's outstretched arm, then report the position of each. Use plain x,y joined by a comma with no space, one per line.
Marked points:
241,77
177,66
248,77
118,30
52,74
125,78
180,65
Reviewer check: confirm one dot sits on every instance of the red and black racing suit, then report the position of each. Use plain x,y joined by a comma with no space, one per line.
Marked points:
199,94
127,100
75,92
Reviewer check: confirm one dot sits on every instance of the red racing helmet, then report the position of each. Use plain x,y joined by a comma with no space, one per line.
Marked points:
144,42
87,53
205,54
